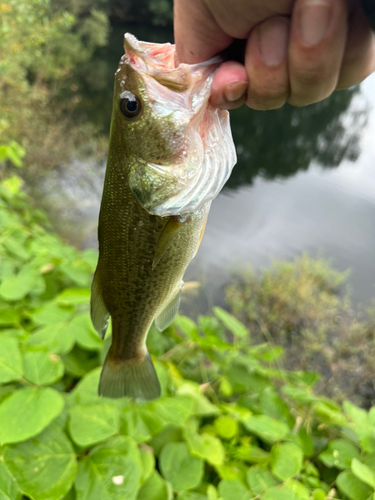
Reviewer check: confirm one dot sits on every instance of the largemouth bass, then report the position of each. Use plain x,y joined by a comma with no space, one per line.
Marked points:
170,153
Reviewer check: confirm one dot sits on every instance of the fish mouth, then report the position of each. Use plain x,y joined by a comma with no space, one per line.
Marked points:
204,149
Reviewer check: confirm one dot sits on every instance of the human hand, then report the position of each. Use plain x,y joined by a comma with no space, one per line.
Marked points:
297,51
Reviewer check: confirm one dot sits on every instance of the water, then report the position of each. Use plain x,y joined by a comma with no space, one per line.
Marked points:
304,183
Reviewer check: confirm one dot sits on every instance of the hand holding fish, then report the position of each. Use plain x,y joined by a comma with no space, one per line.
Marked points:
297,51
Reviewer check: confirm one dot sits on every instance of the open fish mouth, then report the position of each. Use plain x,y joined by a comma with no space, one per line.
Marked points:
206,154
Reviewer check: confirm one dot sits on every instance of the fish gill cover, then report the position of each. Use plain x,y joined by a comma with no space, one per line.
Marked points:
203,152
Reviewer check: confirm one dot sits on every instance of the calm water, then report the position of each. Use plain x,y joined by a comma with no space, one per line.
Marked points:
305,182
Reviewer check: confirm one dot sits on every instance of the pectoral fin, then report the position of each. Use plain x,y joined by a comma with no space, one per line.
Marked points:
167,236
200,238
168,314
98,310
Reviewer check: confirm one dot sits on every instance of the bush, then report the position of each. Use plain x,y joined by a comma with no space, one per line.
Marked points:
41,44
230,423
303,306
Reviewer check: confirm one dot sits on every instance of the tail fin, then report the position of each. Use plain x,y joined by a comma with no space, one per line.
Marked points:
135,378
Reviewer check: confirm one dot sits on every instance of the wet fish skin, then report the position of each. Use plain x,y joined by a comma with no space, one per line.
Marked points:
132,290
142,256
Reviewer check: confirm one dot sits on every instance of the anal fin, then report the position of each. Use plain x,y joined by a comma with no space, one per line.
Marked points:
98,310
166,317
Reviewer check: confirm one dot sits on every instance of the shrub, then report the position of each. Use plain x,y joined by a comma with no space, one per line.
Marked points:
41,44
303,306
230,423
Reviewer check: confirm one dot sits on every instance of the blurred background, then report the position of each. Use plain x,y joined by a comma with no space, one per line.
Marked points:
304,181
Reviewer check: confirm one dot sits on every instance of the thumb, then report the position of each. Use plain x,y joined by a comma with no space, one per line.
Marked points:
197,35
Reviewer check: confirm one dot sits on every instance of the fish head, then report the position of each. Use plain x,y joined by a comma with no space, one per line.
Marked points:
178,149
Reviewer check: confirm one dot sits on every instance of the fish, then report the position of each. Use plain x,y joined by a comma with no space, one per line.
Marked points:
170,153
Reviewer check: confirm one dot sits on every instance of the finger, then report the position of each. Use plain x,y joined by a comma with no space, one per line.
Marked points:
197,35
267,64
316,49
228,90
359,57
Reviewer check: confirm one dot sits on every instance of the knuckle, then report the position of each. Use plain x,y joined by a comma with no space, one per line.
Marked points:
265,104
266,98
311,86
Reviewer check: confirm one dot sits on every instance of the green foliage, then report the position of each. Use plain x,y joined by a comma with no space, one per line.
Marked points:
12,152
41,44
303,307
230,425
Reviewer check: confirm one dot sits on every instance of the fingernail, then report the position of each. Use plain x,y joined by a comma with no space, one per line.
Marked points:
315,17
235,91
274,38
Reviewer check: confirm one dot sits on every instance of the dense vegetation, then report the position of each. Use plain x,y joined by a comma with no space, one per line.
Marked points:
46,47
231,423
303,307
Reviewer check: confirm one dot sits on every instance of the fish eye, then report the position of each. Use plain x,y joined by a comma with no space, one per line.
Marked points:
130,105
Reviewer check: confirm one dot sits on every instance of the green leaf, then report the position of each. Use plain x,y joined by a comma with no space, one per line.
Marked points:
90,424
86,391
235,326
286,460
179,468
203,406
8,317
8,483
58,338
45,466
155,488
352,487
362,426
84,333
226,427
148,462
363,472
233,489
51,313
139,423
298,489
74,296
212,493
79,362
187,326
174,410
279,493
112,471
42,367
191,495
27,412
168,434
340,454
13,246
205,446
10,360
267,428
260,480
17,287
329,412
253,454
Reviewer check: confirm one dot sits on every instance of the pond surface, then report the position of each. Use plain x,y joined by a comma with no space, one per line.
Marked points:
305,182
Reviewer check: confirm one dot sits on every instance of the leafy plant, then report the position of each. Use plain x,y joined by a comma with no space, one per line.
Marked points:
40,45
303,307
230,425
